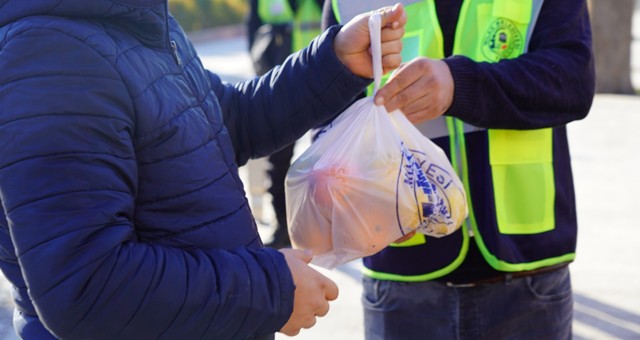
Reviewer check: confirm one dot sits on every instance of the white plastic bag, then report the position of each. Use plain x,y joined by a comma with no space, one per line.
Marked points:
370,178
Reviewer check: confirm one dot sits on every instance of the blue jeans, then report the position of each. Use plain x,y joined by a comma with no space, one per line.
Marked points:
533,307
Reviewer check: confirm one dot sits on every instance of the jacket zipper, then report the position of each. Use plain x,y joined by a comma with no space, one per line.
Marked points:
174,51
172,44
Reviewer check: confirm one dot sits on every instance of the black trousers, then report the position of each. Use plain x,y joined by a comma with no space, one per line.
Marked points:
280,162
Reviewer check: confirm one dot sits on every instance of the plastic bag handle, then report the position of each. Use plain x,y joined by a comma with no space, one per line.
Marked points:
375,22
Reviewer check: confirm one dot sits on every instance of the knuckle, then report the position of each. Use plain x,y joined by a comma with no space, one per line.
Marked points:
401,83
397,60
402,98
310,322
422,64
293,332
324,311
391,61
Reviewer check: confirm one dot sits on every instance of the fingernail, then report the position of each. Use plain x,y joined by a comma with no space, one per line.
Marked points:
379,101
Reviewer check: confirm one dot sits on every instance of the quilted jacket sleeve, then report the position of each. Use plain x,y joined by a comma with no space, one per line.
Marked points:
266,113
67,184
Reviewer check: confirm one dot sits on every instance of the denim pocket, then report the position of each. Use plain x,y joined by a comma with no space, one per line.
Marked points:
552,286
375,294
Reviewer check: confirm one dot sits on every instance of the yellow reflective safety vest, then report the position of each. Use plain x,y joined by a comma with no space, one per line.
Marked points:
518,217
305,21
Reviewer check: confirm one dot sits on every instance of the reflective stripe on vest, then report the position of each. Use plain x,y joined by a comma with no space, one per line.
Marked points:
305,20
521,161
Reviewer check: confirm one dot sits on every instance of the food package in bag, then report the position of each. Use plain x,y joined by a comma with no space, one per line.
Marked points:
370,178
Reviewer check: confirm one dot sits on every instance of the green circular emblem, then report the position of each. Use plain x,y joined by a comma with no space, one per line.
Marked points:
502,40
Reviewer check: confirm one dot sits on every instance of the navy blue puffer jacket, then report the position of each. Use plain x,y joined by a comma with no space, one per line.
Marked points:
123,215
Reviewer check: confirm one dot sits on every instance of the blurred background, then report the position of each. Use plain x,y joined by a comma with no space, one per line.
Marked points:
606,275
612,22
196,15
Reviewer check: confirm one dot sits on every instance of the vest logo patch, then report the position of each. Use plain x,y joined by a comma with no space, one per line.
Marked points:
501,41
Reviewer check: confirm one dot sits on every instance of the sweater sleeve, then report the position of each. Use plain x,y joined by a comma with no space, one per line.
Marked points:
68,181
551,85
267,113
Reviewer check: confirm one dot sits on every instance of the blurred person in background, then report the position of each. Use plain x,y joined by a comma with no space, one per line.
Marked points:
276,28
123,214
494,84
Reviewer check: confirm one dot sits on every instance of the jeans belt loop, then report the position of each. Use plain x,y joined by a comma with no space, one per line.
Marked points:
508,277
460,285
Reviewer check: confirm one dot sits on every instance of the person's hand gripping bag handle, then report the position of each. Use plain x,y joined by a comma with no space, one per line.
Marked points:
368,180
